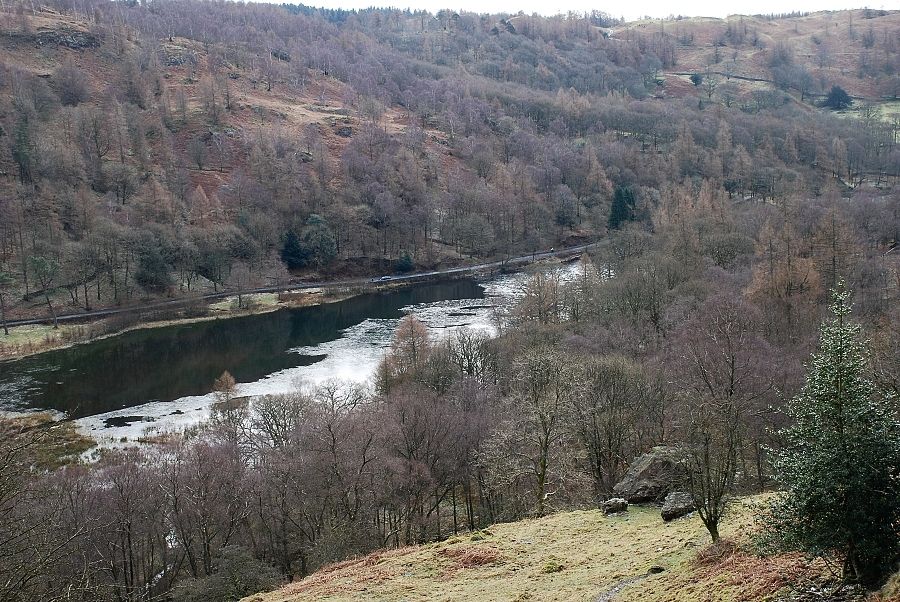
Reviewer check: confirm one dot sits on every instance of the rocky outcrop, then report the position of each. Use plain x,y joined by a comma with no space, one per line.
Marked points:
70,38
676,505
614,505
651,476
172,56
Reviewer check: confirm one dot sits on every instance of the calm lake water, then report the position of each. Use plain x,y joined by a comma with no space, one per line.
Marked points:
161,378
176,361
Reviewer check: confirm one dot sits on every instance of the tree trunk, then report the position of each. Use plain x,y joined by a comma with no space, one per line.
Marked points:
713,527
455,526
52,311
3,314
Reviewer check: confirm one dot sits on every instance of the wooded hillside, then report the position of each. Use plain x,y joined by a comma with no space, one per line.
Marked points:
170,148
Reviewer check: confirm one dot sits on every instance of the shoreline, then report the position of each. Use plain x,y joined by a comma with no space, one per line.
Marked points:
217,309
157,418
311,298
40,337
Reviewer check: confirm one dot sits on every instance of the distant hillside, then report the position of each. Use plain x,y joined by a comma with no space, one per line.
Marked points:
182,147
802,54
567,556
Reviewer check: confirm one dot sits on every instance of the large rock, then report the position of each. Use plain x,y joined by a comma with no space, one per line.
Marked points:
676,505
70,38
651,476
614,505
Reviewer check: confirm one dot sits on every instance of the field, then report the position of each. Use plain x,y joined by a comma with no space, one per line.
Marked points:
581,555
35,338
739,50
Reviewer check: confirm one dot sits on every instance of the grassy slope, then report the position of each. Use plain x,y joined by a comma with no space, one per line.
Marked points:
578,555
840,32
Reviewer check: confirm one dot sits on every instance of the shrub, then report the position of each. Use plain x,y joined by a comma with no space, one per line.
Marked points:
238,574
837,99
404,263
71,84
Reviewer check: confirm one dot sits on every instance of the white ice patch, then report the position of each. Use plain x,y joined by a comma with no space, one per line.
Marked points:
354,357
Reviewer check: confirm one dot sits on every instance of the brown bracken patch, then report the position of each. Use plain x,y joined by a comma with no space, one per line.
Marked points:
468,557
323,576
757,577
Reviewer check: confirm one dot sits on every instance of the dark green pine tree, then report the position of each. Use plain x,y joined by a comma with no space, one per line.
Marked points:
293,253
837,99
840,464
318,241
622,209
404,263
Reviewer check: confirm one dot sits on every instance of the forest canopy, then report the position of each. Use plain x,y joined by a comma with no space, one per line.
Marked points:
186,147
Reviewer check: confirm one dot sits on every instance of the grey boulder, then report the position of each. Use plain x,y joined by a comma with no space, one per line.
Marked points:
676,505
616,504
651,476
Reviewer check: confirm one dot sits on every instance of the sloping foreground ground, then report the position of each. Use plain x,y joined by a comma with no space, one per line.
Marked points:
579,555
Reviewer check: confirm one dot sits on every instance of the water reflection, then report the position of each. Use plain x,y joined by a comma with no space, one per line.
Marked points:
183,360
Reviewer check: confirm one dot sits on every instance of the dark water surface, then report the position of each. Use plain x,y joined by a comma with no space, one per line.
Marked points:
177,361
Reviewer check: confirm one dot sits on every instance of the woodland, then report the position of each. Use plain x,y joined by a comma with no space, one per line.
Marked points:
740,177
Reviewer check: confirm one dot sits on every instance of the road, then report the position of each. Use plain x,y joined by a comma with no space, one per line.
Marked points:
298,286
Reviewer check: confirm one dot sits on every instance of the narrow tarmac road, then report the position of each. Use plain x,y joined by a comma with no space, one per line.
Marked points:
298,286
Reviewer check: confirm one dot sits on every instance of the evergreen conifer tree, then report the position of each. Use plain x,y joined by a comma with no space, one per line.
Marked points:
293,253
837,99
840,464
622,209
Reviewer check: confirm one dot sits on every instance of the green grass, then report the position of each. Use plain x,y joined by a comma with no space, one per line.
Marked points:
567,556
254,300
889,109
886,110
36,337
56,443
